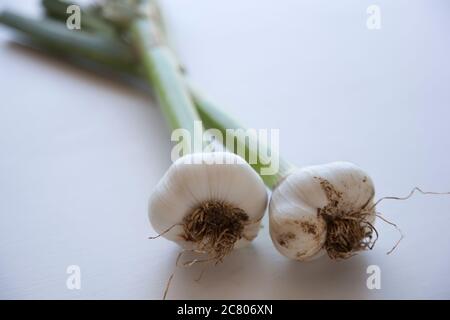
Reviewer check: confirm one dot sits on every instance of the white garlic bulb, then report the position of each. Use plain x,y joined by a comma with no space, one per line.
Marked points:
211,202
322,209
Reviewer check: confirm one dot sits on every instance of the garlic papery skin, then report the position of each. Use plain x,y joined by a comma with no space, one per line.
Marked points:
304,205
217,178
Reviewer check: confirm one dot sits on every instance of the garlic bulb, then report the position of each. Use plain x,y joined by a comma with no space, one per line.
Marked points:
211,202
323,209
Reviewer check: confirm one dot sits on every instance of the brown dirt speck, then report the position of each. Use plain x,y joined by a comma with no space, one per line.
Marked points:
309,227
285,238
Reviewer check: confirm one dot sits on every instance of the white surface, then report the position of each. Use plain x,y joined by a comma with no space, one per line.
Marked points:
80,153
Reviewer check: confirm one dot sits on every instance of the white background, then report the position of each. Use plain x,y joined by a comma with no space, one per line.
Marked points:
80,153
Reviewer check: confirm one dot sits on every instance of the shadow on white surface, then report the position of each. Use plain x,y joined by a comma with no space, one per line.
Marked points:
245,274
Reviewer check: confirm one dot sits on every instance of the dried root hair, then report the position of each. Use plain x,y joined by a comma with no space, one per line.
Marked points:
349,233
186,264
215,227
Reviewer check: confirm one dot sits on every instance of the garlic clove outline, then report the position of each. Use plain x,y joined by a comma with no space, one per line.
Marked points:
197,178
305,202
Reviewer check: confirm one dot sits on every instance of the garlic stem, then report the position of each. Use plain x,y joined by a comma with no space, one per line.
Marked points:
214,117
54,36
162,72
